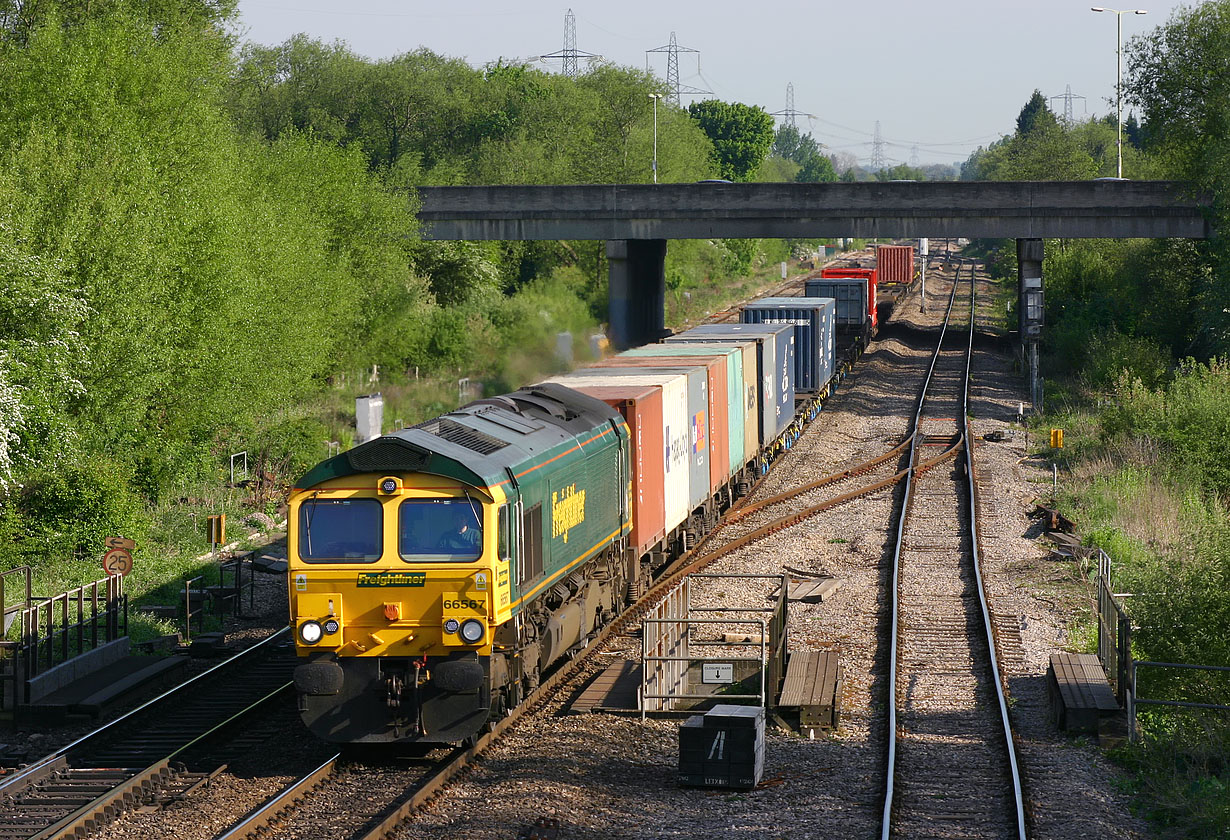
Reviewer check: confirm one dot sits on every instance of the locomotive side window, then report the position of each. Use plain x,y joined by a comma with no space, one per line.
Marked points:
439,529
531,552
340,530
504,550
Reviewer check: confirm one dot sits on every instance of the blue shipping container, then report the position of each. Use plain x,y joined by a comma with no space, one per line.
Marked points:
814,334
776,367
850,294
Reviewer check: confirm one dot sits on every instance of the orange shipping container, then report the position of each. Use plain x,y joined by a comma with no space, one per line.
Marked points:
717,426
641,407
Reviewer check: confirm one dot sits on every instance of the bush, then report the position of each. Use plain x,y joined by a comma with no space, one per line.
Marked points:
1112,355
75,507
290,448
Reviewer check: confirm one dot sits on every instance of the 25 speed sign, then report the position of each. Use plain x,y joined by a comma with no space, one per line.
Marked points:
118,559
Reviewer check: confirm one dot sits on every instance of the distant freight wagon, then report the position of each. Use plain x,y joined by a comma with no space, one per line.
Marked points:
895,264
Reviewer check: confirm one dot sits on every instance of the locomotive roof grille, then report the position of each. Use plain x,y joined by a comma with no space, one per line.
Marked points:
454,432
388,455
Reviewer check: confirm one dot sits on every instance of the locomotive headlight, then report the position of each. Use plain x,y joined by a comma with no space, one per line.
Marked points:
451,625
310,632
389,485
331,626
472,631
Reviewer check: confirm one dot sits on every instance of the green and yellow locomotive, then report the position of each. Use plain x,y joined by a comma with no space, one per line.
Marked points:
437,571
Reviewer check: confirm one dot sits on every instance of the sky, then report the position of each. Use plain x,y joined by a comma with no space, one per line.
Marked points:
941,77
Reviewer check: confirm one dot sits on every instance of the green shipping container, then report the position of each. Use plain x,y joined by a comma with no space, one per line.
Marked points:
736,391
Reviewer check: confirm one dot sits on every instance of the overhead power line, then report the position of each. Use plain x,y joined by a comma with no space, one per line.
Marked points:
877,149
789,113
1067,96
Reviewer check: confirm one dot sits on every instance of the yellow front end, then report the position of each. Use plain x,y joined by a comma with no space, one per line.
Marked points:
394,600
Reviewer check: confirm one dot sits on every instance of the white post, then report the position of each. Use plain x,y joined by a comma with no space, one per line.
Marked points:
1119,93
655,97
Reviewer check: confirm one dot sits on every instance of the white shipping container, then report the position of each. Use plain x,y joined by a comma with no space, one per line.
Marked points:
676,433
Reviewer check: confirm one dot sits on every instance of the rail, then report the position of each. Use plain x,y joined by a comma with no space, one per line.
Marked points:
966,443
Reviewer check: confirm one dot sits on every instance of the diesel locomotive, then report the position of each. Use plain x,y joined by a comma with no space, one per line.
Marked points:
435,572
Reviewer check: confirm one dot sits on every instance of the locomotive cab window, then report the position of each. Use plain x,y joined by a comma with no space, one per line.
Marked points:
439,529
340,530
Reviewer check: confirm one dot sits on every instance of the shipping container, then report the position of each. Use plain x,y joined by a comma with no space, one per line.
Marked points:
814,335
714,424
871,275
850,294
748,387
775,368
677,466
692,437
741,434
895,263
641,408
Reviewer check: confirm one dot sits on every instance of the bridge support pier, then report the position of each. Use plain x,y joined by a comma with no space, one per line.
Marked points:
1030,310
637,296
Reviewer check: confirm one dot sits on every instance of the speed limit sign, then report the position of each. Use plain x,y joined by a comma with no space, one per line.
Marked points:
117,561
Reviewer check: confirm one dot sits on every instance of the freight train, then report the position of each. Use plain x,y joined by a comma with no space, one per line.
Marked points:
437,572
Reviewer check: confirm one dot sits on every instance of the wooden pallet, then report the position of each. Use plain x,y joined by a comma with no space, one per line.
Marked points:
1080,693
812,689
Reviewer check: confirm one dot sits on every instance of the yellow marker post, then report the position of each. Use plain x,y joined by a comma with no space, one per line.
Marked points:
217,529
1056,438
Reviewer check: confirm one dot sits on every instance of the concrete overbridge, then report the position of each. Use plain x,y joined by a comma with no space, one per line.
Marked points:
638,219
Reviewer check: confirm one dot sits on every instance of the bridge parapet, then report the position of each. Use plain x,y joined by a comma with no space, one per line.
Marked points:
1017,209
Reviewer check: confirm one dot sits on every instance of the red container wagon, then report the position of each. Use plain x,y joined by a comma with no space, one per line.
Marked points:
895,263
714,428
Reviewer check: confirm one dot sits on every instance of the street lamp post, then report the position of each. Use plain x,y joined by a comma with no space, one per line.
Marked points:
1119,13
655,97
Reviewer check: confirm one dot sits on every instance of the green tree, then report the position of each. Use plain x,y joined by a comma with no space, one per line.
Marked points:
741,134
817,169
1034,113
901,172
1177,76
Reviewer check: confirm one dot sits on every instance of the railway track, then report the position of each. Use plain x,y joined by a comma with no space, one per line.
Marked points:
951,768
154,753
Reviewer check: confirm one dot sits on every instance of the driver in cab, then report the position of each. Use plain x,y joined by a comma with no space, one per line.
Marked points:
462,539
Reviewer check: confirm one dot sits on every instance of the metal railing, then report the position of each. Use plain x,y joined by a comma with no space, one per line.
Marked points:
52,631
669,654
1134,700
1114,633
10,612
